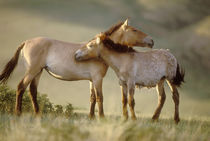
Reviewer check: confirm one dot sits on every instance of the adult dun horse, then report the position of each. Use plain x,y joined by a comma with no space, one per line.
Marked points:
145,69
57,58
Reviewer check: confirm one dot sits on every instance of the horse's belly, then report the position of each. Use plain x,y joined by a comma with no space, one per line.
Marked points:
63,67
149,80
68,74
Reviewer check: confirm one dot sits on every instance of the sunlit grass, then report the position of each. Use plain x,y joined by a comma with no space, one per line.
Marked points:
79,127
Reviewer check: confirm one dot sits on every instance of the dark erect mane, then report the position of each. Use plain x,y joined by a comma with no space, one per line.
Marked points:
108,43
113,29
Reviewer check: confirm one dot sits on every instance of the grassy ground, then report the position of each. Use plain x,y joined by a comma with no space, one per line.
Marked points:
175,25
79,128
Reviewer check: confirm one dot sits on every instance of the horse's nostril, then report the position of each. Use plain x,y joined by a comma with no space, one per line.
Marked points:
76,56
152,44
149,41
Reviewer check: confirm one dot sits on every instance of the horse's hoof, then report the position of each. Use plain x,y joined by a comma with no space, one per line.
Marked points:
125,118
18,113
155,120
102,118
134,118
177,120
155,117
92,117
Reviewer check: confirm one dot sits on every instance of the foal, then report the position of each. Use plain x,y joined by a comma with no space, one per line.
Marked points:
146,69
57,58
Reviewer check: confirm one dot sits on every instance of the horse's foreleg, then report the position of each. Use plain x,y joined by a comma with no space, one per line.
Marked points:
92,101
124,100
33,93
175,96
99,96
161,99
131,101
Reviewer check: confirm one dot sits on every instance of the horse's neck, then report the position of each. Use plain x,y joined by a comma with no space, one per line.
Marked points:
111,58
116,38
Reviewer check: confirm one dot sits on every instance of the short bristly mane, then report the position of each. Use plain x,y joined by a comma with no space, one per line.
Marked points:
109,44
110,31
113,29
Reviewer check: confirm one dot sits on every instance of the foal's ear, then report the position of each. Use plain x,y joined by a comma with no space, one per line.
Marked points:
98,40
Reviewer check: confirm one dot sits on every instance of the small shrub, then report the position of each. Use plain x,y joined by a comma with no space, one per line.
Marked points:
58,109
8,99
68,110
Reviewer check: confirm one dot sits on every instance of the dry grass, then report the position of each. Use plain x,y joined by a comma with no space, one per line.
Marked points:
79,21
112,129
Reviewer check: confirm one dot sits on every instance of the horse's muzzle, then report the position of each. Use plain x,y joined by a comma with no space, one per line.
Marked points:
151,44
77,55
77,58
149,41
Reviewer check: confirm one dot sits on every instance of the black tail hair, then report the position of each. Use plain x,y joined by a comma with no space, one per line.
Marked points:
179,78
10,66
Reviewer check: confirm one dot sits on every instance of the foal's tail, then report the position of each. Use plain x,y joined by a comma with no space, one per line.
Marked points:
8,69
179,78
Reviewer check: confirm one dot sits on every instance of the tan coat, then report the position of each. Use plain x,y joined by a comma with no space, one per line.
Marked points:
145,69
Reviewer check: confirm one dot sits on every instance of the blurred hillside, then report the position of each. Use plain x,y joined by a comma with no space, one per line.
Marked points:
183,26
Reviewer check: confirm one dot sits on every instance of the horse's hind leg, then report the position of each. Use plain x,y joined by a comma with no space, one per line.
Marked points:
19,94
175,96
161,99
124,100
131,101
33,92
92,101
21,89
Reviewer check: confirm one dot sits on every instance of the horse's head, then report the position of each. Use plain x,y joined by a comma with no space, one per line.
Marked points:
90,50
130,36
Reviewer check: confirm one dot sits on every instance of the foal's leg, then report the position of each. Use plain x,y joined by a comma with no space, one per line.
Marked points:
33,93
21,89
92,101
161,99
99,96
124,100
175,96
131,101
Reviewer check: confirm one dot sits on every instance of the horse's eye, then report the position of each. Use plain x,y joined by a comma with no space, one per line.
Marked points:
89,46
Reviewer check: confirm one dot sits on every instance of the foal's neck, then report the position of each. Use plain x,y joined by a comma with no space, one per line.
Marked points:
113,58
116,37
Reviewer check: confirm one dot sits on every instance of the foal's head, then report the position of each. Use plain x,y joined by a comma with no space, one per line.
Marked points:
127,35
90,50
93,48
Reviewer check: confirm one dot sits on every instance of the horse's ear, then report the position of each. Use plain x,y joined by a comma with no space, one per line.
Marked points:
127,21
98,40
125,24
102,36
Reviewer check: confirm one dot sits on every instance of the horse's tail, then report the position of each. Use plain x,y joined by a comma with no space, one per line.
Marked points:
179,78
10,66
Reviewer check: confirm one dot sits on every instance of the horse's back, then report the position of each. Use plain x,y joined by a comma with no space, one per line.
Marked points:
154,65
58,58
35,51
